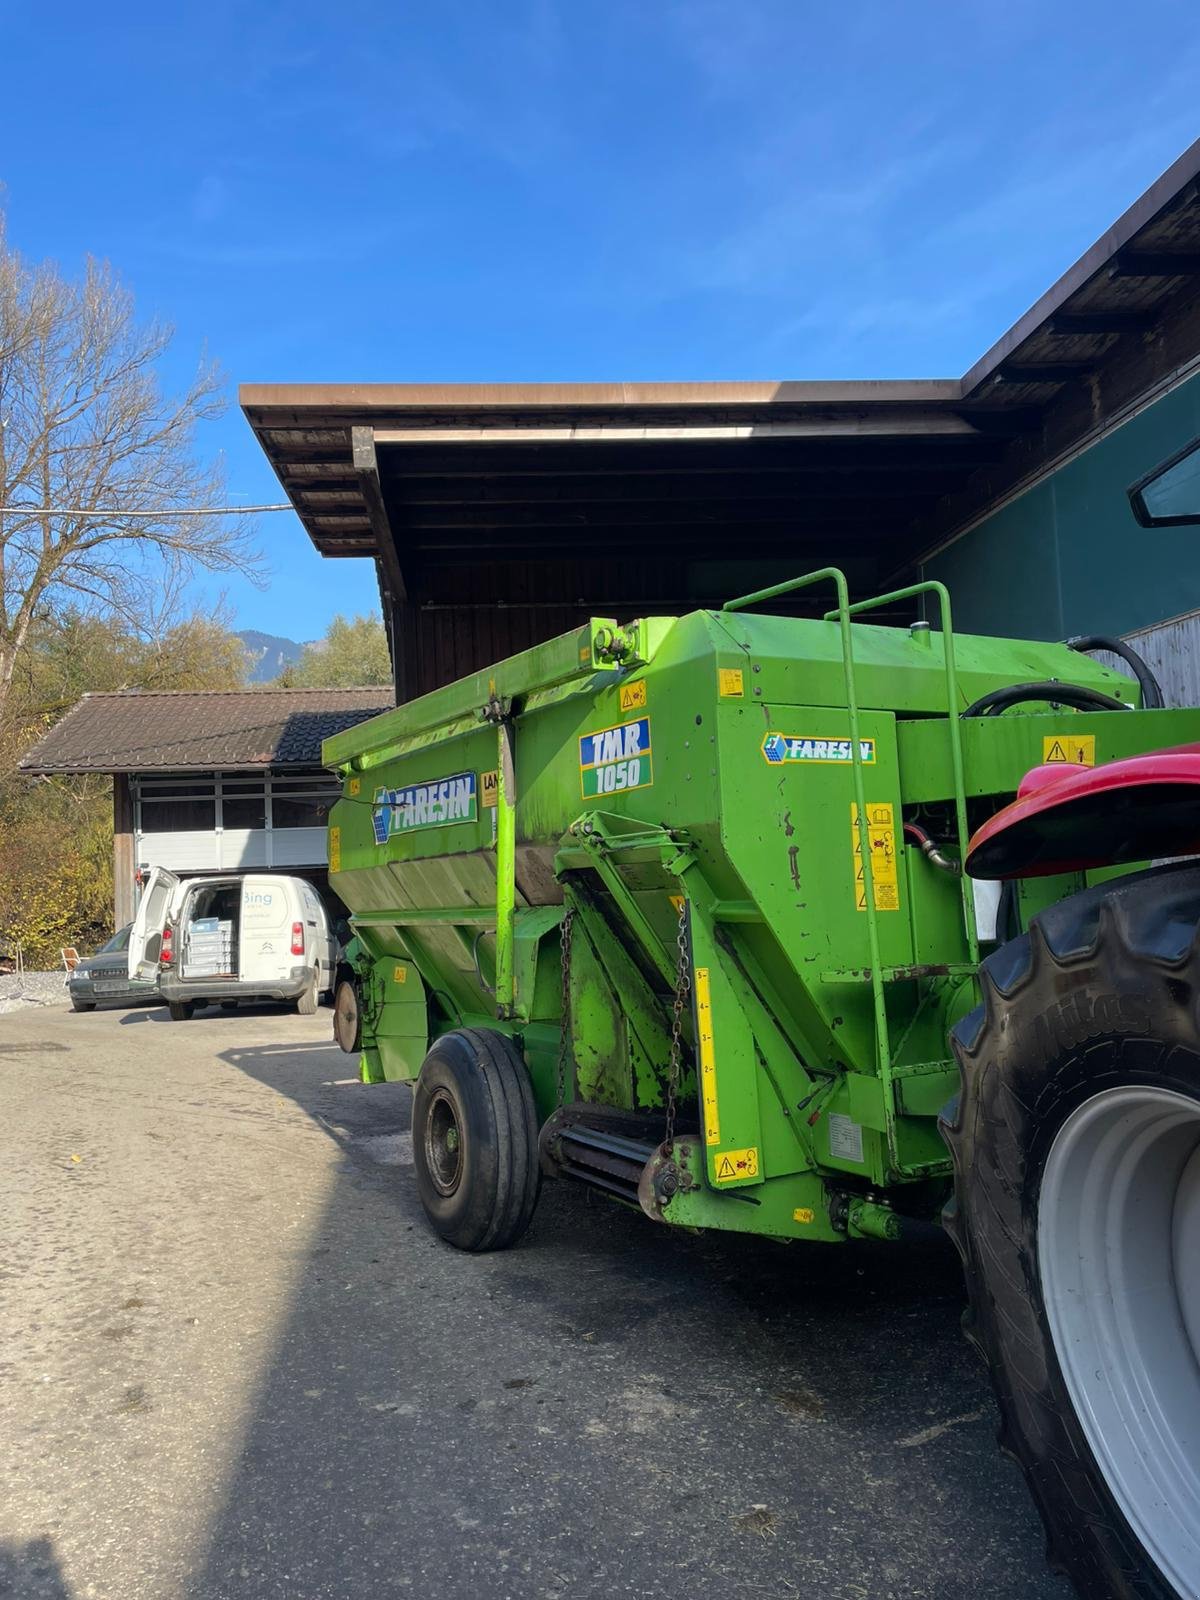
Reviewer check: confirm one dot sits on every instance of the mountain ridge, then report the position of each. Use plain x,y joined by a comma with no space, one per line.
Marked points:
268,653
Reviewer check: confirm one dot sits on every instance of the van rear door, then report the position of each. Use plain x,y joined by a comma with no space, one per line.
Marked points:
269,907
145,937
318,941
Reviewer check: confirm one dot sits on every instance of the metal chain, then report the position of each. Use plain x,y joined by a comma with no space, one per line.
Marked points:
683,984
564,1043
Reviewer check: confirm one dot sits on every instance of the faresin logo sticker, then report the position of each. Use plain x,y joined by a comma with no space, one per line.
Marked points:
424,805
781,747
616,759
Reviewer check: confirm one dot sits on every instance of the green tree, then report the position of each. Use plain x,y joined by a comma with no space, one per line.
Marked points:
56,834
352,654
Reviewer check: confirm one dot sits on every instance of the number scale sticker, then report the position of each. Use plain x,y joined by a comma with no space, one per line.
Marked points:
881,835
335,849
616,759
708,1064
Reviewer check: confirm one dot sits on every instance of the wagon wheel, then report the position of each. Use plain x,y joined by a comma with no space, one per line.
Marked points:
347,1016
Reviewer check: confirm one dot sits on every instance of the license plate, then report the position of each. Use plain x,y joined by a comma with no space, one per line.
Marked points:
110,985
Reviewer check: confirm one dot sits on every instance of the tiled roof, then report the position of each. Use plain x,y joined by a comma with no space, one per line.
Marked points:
135,731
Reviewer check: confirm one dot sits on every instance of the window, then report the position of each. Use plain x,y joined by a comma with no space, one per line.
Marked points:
177,805
243,810
181,814
1169,497
296,811
302,802
240,802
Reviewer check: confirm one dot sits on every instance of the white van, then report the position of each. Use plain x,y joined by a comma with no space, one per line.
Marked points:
247,936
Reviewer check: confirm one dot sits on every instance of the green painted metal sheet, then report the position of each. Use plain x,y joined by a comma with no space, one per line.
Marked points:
716,762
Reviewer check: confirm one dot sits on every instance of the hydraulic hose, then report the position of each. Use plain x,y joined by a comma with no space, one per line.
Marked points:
1062,694
1152,695
929,849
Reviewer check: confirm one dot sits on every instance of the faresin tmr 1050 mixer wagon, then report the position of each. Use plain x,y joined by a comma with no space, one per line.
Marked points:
677,908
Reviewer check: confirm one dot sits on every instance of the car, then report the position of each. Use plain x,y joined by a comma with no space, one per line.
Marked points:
103,978
239,936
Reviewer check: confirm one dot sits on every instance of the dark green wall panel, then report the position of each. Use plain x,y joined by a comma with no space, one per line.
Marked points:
1067,557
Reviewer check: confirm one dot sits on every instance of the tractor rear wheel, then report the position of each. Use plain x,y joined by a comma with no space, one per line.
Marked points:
474,1131
1076,1145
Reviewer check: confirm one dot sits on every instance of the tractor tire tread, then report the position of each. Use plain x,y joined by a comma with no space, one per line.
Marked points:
1068,1009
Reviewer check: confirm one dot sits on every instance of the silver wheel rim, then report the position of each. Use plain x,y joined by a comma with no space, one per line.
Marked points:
1119,1258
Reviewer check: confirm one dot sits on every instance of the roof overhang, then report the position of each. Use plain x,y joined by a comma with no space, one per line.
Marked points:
412,474
430,477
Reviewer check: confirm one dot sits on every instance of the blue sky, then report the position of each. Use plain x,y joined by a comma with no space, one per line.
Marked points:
541,190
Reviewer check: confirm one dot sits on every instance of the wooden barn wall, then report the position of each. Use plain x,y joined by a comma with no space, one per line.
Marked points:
463,616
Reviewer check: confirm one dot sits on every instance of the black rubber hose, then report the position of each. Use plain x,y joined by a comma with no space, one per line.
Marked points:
1061,694
1152,695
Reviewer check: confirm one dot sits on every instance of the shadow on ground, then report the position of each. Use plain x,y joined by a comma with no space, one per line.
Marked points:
31,1570
213,1012
609,1409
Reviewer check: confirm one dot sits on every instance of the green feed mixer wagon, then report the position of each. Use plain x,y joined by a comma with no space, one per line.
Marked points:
676,908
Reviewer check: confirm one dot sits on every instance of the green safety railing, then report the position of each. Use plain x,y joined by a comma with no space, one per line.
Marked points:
837,577
842,614
942,595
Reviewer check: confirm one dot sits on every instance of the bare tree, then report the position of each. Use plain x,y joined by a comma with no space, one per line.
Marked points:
86,431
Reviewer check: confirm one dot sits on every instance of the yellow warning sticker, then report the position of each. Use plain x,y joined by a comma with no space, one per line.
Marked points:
881,834
1079,748
730,682
708,1064
585,653
335,849
354,786
677,901
633,695
803,1214
489,789
400,975
733,1165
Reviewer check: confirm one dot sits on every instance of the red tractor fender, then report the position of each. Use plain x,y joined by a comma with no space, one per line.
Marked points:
1067,818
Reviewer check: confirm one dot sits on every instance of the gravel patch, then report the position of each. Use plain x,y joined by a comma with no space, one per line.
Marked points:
32,989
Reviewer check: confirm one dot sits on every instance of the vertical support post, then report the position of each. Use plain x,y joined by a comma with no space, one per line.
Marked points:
506,865
123,862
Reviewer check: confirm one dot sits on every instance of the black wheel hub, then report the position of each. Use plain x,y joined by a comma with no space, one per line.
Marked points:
443,1143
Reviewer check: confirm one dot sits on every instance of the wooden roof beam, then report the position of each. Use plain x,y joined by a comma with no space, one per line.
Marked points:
1073,324
366,469
1155,264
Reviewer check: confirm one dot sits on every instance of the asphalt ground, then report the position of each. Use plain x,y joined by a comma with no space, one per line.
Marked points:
234,1362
